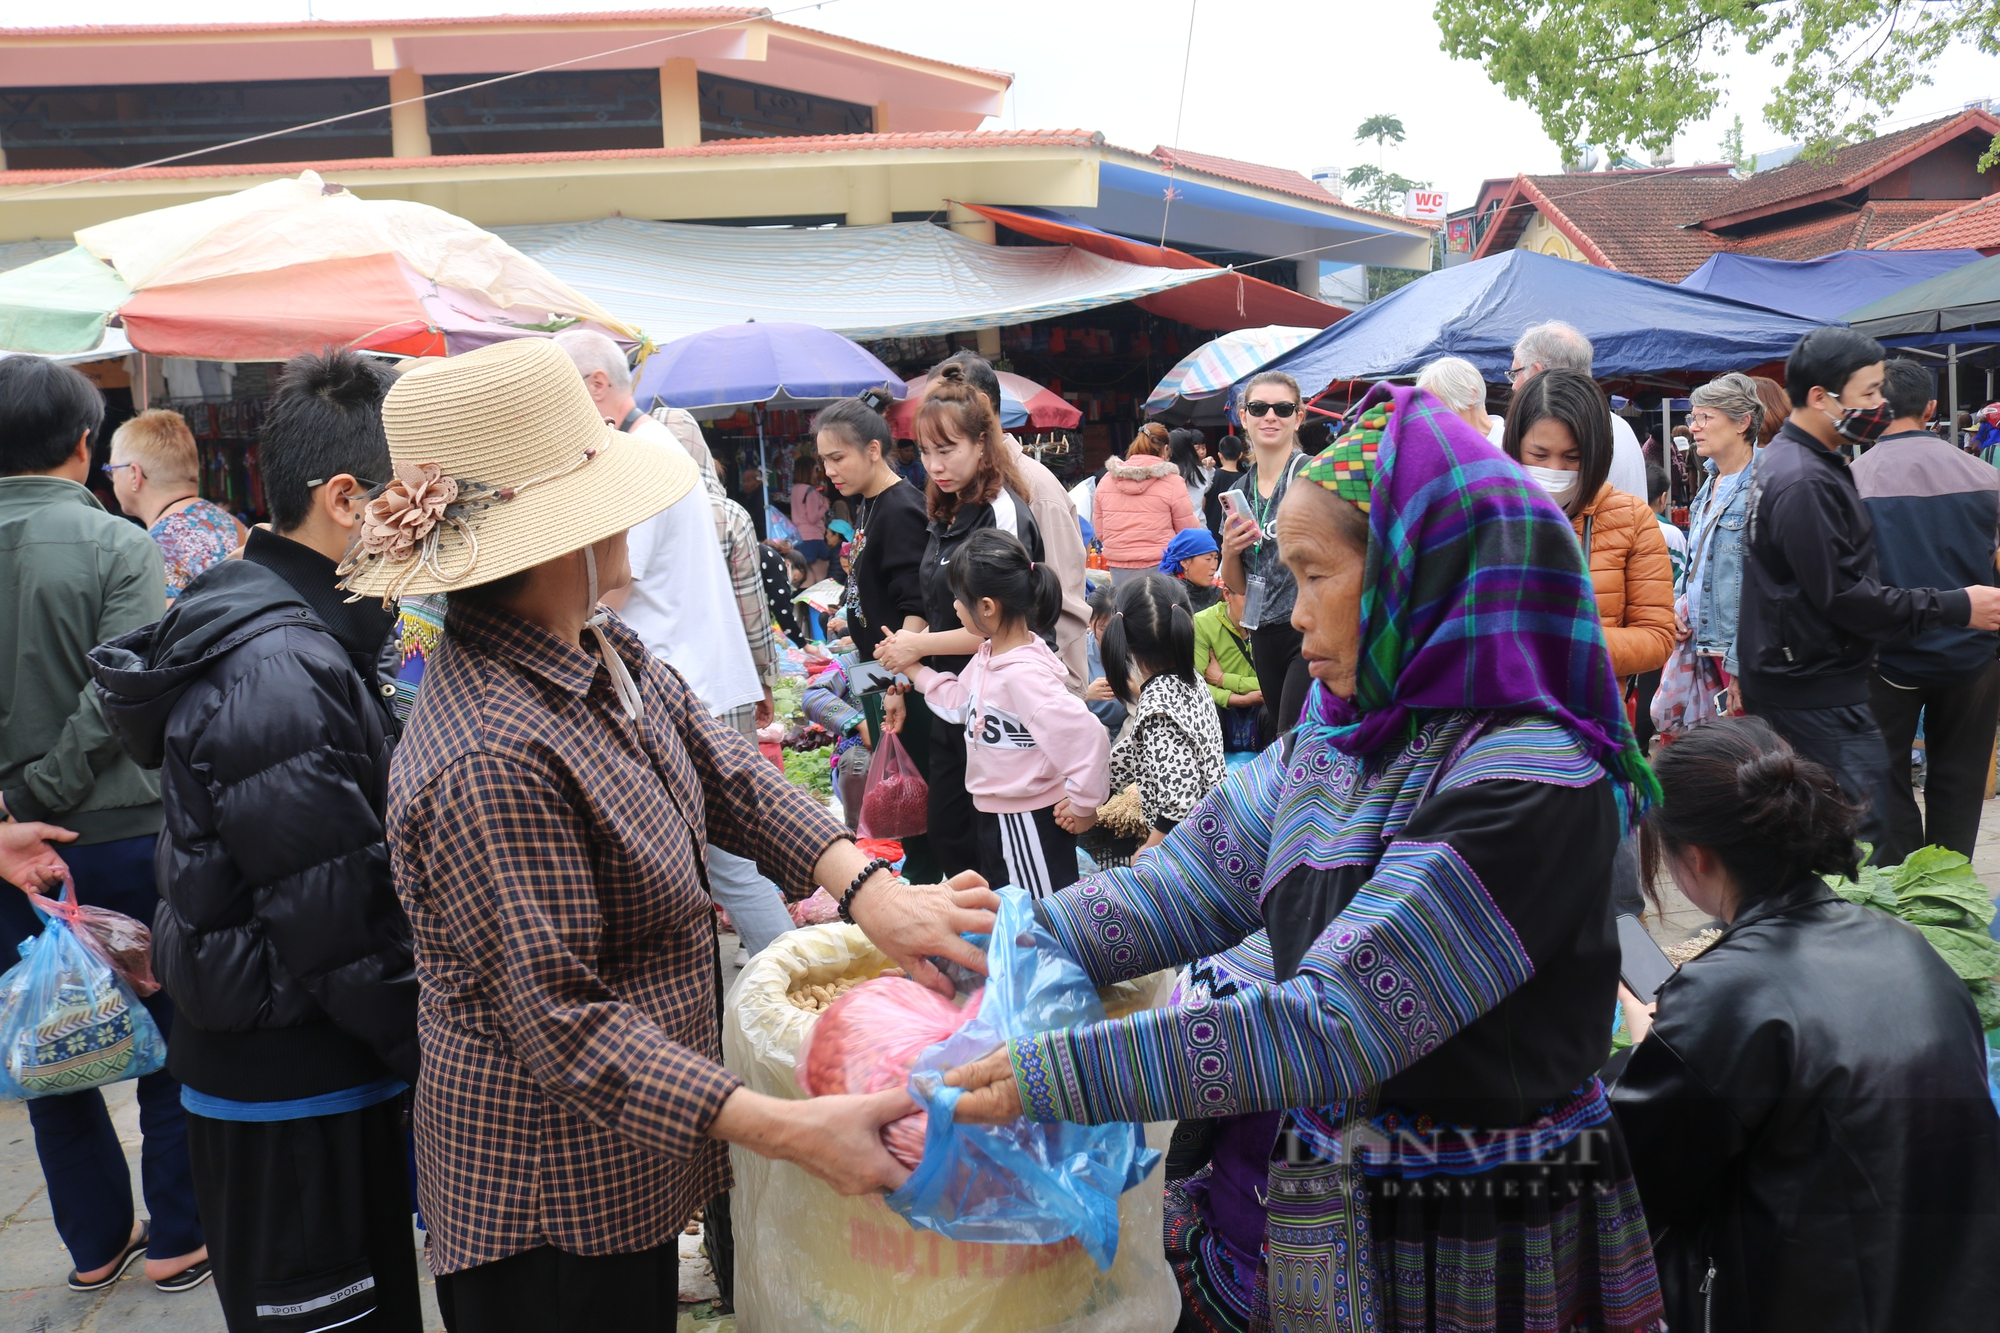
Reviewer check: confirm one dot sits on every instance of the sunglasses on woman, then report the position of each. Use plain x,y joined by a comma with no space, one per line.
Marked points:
1258,409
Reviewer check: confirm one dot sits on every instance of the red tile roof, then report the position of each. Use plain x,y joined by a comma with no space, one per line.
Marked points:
1633,221
1800,182
823,143
1282,179
1974,226
713,13
1847,229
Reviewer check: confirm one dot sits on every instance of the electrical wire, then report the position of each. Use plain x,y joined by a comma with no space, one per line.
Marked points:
424,97
1180,113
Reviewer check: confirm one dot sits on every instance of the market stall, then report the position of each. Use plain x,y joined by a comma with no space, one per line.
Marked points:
1825,288
1952,319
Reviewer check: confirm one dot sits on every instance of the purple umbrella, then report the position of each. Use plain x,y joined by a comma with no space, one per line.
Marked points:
759,363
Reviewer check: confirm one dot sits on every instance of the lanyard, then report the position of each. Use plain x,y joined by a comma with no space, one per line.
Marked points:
1261,509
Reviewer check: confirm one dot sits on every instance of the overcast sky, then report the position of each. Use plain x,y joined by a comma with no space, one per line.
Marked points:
1278,81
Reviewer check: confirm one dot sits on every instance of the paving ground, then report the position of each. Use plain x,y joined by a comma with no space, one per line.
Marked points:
34,1267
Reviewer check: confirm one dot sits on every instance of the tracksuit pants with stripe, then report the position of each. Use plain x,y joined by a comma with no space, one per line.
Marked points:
1027,850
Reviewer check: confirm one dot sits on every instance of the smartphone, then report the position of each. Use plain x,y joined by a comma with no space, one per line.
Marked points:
1232,500
871,677
1641,965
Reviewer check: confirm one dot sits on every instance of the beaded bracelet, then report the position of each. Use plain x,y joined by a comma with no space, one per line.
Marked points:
847,899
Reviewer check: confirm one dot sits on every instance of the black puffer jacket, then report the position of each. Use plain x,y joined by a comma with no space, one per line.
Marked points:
279,936
1809,1119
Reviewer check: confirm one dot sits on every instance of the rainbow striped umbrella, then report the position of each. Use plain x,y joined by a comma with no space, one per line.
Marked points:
1211,368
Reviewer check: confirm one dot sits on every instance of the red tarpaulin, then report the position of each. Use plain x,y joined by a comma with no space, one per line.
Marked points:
365,303
1231,301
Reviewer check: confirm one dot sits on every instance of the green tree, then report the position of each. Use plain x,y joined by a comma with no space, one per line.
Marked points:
1631,71
1384,130
1380,190
1732,149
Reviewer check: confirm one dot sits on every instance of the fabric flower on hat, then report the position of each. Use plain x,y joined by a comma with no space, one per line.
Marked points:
397,521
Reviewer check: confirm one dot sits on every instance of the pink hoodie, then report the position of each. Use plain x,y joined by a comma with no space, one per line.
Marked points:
1029,742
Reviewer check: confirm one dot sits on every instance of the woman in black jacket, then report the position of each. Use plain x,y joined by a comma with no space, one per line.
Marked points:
973,485
1808,1117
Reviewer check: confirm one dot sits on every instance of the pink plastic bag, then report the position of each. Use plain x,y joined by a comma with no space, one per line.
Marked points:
897,802
122,943
869,1039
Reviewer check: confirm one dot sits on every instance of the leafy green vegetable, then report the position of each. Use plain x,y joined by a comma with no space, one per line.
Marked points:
788,697
1987,997
1937,892
1971,953
813,770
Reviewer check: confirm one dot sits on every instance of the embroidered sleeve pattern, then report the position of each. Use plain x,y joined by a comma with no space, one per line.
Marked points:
1195,894
1420,952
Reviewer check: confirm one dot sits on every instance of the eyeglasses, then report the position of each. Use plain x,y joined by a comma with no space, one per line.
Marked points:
1258,409
110,468
1515,372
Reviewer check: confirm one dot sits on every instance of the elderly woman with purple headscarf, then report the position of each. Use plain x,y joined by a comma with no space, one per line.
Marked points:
1383,1058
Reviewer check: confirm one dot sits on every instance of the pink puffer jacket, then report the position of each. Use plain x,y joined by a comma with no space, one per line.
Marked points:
1140,504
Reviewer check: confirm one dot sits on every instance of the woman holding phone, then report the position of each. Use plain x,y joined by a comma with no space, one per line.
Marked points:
1807,1117
1273,409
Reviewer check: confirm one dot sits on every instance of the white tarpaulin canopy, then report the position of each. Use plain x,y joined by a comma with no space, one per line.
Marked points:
899,280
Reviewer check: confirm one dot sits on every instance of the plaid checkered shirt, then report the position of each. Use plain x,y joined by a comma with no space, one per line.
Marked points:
550,856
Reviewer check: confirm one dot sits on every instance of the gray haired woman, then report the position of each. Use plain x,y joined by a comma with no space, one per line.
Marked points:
1725,419
1458,384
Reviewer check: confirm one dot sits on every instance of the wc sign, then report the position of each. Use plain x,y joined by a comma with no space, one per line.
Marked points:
1425,205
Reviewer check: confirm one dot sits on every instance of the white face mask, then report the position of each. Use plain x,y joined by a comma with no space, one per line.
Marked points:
1559,484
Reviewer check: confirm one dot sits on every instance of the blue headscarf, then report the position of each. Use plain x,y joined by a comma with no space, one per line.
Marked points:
1186,545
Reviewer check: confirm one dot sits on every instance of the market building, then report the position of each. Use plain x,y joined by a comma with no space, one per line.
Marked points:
1890,192
718,116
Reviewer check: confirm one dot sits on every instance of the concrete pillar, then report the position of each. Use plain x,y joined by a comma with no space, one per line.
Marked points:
409,131
868,196
971,225
680,104
989,344
1308,275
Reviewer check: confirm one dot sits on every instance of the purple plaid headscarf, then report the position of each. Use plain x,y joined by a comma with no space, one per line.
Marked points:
1477,597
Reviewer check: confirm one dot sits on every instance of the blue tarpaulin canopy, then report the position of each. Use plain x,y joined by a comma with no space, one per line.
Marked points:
1824,288
1477,310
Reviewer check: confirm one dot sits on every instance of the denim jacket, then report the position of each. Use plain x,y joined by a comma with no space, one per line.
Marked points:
1721,563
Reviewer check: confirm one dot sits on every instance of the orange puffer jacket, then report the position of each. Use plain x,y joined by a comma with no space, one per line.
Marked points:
1634,580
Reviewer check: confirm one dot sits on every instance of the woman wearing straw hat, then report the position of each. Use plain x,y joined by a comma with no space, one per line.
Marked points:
551,799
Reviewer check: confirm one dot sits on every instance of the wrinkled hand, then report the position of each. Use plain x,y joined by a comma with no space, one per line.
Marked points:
837,1138
26,859
1985,607
992,1096
1239,534
900,650
1098,691
1072,818
767,709
913,922
1213,672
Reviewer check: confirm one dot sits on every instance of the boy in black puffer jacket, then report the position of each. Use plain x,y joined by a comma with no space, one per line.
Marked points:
262,699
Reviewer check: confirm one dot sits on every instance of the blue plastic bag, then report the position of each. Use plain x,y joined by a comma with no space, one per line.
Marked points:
1024,1183
68,1021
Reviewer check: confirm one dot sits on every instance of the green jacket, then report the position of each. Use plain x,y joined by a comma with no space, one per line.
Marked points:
1215,637
73,576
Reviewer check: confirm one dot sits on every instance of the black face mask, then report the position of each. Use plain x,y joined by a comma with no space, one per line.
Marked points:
1864,425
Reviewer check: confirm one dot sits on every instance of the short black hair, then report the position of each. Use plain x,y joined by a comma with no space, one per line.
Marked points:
1908,387
1656,480
994,564
1826,359
325,419
1573,398
977,371
45,408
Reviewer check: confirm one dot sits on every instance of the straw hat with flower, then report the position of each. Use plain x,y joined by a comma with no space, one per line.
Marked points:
501,462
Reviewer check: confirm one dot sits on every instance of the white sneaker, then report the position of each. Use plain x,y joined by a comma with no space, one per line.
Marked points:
742,956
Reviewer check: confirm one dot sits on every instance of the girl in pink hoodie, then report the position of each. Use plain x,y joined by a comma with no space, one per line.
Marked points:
1033,751
1140,503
